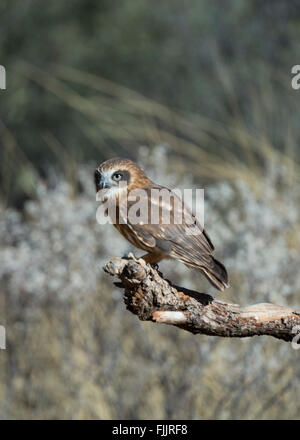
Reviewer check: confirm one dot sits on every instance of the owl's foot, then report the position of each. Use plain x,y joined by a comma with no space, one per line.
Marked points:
155,266
143,261
131,255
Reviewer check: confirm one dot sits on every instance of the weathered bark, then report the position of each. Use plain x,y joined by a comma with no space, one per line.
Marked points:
153,298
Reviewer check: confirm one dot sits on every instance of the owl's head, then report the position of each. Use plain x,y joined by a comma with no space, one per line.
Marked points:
115,174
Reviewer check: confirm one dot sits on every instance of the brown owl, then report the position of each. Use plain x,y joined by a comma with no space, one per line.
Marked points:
174,233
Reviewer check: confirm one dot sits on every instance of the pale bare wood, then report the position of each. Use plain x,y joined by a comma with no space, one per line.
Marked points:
153,298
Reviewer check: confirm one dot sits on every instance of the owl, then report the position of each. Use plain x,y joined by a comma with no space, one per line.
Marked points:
175,233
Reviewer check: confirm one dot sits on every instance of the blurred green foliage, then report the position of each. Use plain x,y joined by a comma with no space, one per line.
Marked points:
202,57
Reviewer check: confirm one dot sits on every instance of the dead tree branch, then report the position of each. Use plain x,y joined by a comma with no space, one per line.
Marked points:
153,298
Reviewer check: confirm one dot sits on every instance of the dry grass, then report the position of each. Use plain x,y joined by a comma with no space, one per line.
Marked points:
79,354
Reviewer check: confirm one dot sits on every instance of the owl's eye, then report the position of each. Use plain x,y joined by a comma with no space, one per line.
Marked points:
117,176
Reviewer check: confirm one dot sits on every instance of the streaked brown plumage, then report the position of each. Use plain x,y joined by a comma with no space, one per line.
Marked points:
160,240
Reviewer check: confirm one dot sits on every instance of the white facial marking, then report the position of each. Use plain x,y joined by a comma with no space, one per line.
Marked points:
114,188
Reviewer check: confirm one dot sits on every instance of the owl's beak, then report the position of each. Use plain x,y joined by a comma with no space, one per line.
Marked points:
101,181
103,184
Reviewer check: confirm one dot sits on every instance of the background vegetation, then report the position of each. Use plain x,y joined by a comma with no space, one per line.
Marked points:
199,93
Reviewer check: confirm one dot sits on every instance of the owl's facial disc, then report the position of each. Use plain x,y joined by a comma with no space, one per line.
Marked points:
110,183
111,179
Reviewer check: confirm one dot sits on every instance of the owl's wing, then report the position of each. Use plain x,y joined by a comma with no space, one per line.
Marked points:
168,225
184,240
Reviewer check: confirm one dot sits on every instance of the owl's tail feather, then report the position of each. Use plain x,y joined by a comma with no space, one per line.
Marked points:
216,273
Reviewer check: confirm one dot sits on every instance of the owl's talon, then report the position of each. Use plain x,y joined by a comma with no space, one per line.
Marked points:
144,264
129,256
155,266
